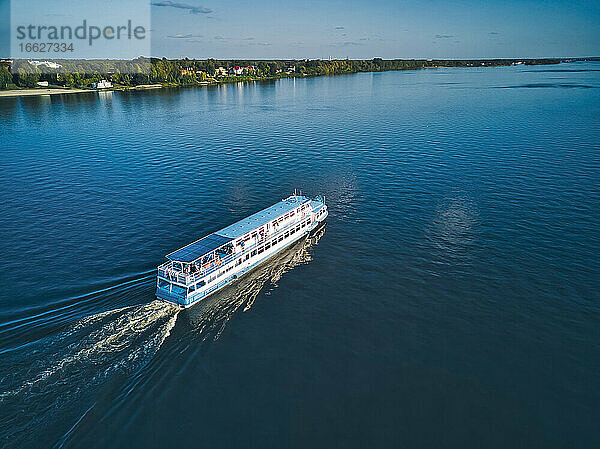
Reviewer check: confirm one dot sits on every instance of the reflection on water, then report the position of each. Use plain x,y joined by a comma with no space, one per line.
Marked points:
343,199
454,228
210,317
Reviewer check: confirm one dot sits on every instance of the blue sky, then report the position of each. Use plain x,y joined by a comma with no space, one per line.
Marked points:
377,28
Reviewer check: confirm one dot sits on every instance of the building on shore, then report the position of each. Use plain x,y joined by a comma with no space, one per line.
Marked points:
103,84
239,70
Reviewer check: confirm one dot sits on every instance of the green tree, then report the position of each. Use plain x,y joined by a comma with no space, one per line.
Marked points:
5,78
273,68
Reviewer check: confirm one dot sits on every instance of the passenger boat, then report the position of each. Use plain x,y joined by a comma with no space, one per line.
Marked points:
205,266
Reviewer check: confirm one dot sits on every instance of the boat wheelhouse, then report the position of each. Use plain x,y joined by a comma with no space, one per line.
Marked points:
201,268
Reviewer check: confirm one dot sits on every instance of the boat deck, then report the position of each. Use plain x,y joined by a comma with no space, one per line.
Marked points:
250,223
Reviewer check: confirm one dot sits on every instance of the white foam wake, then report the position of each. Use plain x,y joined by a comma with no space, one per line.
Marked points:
57,370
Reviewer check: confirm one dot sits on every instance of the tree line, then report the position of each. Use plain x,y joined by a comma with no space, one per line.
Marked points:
184,72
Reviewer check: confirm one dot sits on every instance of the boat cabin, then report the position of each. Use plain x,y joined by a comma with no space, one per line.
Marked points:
221,256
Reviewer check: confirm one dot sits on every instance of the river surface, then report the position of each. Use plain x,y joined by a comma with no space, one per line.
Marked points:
452,300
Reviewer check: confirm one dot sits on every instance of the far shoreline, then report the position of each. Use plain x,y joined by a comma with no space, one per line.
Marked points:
37,92
213,81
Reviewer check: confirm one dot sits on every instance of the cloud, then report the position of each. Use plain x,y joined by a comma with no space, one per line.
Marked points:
375,38
221,38
248,39
192,9
261,44
443,36
493,32
183,36
339,28
346,44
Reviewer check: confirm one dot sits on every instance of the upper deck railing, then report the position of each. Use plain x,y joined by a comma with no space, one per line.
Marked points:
167,272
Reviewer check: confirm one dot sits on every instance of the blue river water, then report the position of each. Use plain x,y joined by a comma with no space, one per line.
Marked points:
451,300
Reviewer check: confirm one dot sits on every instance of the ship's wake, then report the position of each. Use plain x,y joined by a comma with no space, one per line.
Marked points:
111,357
47,375
197,329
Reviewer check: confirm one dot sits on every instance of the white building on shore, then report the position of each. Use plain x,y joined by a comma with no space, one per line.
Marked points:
103,84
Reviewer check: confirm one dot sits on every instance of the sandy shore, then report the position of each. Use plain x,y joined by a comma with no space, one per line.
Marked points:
24,92
148,86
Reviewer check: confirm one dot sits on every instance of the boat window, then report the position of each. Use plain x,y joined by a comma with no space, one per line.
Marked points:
287,234
179,290
293,231
267,245
298,228
253,253
261,249
225,250
280,238
200,284
247,256
163,284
